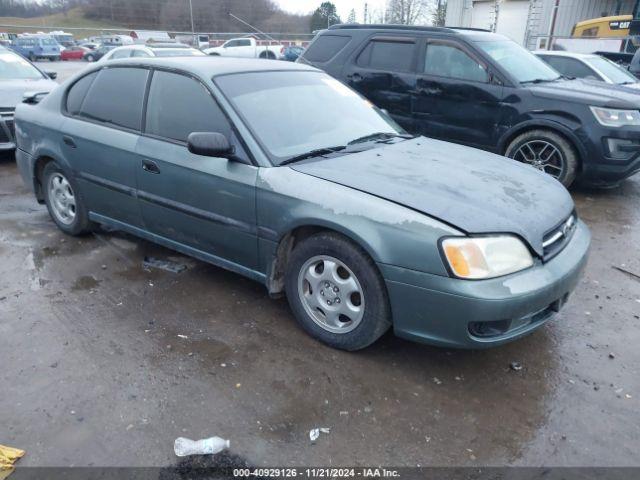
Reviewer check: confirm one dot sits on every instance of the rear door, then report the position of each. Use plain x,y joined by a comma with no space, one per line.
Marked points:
384,72
203,202
102,128
457,97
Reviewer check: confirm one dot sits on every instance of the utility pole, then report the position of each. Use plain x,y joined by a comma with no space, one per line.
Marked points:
193,30
366,12
552,26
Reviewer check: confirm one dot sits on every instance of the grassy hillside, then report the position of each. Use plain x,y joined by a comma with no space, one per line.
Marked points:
73,18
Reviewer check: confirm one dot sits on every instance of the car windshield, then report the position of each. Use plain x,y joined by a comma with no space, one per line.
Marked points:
14,67
292,113
177,52
614,72
519,62
49,41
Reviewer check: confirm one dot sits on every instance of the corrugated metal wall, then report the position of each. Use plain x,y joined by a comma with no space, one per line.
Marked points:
572,11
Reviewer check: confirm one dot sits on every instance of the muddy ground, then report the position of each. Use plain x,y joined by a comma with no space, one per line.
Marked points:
94,369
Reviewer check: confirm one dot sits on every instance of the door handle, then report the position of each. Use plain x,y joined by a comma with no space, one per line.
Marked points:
428,91
149,166
69,141
356,77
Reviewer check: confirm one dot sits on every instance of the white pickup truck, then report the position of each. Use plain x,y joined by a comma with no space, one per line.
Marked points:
247,48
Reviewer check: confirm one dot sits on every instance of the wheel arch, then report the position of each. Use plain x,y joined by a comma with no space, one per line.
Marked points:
42,159
542,124
296,234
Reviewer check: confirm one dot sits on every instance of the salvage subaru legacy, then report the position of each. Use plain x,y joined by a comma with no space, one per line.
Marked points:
281,173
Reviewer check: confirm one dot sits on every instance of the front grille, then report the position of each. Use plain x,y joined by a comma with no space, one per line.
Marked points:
7,126
557,238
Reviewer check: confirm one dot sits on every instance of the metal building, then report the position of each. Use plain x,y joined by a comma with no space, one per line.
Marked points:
527,20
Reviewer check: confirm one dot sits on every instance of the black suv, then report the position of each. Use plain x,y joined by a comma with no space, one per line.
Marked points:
481,89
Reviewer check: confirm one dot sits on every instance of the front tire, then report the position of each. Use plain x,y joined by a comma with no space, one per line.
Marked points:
64,201
336,292
547,151
90,58
32,57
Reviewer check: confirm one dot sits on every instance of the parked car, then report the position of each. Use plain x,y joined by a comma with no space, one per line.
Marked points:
291,54
152,50
481,89
74,53
98,53
36,47
246,48
17,77
588,67
90,45
361,225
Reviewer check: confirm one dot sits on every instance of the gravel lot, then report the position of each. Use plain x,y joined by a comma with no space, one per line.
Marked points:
95,370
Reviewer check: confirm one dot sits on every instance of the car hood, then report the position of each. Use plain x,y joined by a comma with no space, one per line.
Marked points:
588,92
11,91
472,190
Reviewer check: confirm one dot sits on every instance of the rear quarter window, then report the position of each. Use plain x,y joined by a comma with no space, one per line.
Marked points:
326,47
77,92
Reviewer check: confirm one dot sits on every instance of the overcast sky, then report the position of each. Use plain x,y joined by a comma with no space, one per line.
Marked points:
344,6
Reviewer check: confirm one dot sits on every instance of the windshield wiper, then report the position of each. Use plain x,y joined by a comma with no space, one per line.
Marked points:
379,136
544,80
313,153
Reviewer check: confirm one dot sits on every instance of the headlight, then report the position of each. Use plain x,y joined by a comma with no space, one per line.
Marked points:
616,118
486,257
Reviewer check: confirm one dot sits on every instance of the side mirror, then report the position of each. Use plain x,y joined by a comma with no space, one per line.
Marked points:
52,75
210,144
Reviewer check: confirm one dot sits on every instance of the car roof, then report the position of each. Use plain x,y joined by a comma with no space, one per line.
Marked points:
476,33
210,66
562,53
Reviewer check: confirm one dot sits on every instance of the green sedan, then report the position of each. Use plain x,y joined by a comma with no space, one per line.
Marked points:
281,173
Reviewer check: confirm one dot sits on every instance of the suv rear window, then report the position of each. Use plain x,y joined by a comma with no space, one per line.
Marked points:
388,55
326,47
108,102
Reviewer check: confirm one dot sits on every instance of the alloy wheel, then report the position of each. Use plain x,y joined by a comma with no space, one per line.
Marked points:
62,199
331,294
543,156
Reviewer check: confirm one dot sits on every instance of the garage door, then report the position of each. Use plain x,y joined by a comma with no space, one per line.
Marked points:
512,19
483,14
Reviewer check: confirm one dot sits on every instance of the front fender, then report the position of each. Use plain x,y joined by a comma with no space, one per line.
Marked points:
390,233
572,132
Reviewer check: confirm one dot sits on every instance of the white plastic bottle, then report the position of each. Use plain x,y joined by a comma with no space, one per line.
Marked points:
207,446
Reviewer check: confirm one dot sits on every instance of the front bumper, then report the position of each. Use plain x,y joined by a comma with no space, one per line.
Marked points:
7,130
443,311
604,164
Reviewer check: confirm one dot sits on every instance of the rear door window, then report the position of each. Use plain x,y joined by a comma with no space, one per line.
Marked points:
174,116
326,47
109,103
391,55
445,60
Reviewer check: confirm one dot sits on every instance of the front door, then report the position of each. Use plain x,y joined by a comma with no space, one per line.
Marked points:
456,97
384,72
205,203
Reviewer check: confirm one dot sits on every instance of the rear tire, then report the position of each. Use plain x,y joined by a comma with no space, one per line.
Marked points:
336,292
64,201
547,151
90,58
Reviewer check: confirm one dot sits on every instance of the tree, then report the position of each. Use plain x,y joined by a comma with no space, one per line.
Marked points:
324,16
408,12
352,16
439,15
